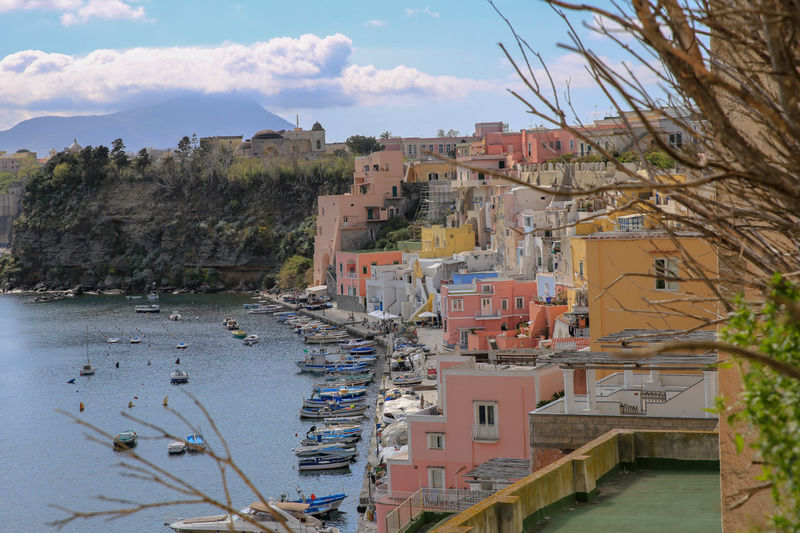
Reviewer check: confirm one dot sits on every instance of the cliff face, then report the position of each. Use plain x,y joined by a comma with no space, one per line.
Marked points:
128,234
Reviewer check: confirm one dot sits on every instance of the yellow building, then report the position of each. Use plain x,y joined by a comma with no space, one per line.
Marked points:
640,280
438,241
422,171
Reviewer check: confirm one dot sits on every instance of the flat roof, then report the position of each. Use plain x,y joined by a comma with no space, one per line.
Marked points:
501,468
656,501
644,337
576,358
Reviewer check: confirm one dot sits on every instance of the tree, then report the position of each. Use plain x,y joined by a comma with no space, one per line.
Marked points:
142,161
728,71
386,135
118,155
361,145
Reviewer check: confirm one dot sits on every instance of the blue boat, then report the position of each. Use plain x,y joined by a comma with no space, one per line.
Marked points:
320,505
362,350
195,443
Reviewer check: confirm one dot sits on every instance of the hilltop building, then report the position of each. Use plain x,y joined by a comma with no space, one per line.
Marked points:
266,144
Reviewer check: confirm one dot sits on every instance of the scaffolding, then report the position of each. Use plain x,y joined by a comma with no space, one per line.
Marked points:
437,200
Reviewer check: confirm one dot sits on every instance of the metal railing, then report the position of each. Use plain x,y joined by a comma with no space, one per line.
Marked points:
455,500
485,432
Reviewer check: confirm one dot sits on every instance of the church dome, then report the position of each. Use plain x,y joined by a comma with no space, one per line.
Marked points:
317,127
75,147
267,134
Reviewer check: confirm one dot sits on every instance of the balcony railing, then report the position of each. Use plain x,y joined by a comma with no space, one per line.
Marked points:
485,433
455,500
487,315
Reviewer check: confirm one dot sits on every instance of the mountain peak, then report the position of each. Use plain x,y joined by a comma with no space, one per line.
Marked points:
158,125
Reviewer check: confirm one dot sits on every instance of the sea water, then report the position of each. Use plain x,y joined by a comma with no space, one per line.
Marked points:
252,394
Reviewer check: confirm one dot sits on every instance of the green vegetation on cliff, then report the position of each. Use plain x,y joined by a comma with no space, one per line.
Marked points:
199,216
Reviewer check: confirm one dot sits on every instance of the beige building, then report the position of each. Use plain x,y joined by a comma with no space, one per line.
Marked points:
16,161
285,143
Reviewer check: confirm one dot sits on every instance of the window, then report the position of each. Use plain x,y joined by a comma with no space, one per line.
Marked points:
666,274
319,145
504,304
486,288
558,145
364,270
435,441
572,144
456,304
484,427
631,222
501,164
481,176
366,168
519,301
580,269
435,477
441,148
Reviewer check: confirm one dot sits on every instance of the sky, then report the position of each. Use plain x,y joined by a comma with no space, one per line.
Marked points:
357,67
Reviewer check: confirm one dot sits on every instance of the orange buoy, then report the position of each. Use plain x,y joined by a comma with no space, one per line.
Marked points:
130,404
81,407
164,403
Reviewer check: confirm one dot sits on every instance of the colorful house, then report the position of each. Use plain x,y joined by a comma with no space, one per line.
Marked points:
354,268
483,301
349,221
482,415
438,241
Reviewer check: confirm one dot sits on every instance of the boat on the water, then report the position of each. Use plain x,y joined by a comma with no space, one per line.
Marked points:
251,339
88,368
112,340
175,316
152,295
178,377
181,345
135,340
152,308
125,439
332,412
239,334
176,447
323,463
351,343
323,448
195,442
321,505
261,516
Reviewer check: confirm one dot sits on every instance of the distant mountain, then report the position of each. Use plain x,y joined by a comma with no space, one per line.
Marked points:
157,126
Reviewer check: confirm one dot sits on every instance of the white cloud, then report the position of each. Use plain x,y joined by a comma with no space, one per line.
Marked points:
309,70
413,11
78,11
374,23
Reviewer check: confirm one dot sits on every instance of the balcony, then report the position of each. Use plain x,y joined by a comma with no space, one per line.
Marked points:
487,315
485,433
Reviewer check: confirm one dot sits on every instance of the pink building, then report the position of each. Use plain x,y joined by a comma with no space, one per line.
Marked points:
482,415
353,268
349,221
492,304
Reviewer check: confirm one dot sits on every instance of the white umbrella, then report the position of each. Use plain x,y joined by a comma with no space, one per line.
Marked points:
428,314
383,315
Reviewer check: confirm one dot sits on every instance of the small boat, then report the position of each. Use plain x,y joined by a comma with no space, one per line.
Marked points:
323,463
260,516
322,448
152,308
125,439
251,306
135,340
318,403
175,316
356,344
87,369
152,296
176,447
251,339
335,411
112,340
407,379
232,325
181,345
326,338
362,350
227,319
178,377
239,334
195,443
320,505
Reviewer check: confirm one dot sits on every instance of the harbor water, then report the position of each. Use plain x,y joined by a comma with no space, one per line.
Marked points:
252,393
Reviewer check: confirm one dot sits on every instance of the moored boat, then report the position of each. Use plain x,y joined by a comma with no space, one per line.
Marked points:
178,377
195,442
176,447
181,345
323,463
125,439
331,412
261,516
152,308
320,505
239,333
251,339
175,316
135,340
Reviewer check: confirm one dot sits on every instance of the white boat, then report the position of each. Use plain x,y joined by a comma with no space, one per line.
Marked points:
181,345
112,340
251,339
323,463
176,447
153,308
135,340
179,376
87,369
175,316
152,296
261,517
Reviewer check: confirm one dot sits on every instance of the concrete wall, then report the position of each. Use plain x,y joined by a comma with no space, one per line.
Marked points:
575,477
350,303
553,433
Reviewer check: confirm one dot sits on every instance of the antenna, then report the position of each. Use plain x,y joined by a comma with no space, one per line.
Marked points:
297,120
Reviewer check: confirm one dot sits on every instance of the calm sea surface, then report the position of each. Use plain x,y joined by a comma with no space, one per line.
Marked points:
253,394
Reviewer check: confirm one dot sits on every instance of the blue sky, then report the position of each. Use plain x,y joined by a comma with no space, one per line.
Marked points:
359,67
